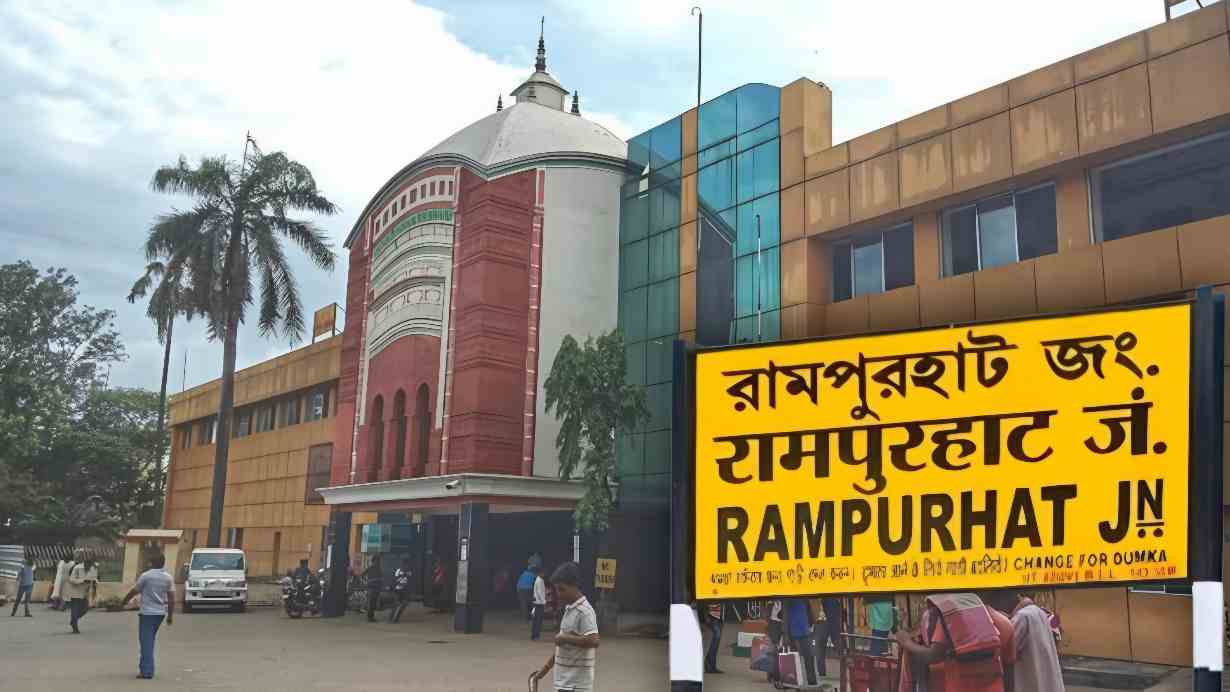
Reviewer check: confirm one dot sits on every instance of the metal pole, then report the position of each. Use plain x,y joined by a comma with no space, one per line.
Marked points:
700,35
1208,346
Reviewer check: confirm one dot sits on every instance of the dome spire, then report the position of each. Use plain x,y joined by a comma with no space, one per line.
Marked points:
540,65
499,103
576,104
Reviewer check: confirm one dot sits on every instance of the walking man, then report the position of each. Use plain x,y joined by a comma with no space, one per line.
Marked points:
81,580
713,614
525,591
401,589
25,586
157,591
1037,660
375,584
539,607
576,644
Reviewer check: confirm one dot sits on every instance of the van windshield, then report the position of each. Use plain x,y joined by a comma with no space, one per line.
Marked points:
217,561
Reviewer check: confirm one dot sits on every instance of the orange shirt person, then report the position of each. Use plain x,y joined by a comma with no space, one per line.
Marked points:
950,672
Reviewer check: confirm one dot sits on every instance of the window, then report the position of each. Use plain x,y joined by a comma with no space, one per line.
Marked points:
243,423
1172,589
999,230
386,216
1169,187
318,405
185,436
206,435
874,263
320,458
264,418
291,410
450,188
403,201
423,190
414,194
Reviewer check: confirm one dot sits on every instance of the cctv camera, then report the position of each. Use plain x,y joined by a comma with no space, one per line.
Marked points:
452,485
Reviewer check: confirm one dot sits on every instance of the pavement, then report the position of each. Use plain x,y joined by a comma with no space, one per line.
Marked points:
264,650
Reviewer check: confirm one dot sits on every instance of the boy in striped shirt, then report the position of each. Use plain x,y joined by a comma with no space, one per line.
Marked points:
577,642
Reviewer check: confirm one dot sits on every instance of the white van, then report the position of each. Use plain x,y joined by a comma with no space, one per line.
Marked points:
216,577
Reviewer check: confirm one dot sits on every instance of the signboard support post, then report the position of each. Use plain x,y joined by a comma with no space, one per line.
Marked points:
1208,346
686,650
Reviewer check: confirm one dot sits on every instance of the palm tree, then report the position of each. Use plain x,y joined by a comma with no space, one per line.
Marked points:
230,241
165,303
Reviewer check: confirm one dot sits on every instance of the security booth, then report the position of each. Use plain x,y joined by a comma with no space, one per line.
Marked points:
467,536
1049,452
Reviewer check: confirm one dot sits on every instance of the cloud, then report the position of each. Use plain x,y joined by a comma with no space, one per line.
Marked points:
102,94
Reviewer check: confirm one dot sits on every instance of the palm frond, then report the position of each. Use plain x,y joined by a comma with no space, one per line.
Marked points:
209,180
310,238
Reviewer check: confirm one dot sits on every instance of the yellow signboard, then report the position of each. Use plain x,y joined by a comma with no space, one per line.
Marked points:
604,576
1046,451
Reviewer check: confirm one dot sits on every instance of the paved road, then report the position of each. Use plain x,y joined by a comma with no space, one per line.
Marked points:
263,650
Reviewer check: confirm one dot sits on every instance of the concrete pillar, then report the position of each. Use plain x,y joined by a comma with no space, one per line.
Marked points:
339,571
472,538
132,561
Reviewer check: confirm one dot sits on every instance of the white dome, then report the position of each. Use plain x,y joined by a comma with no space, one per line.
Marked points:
528,129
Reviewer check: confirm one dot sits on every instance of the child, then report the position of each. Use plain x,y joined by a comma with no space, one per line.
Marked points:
576,644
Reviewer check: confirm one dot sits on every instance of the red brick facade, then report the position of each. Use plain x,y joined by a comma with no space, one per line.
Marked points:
490,313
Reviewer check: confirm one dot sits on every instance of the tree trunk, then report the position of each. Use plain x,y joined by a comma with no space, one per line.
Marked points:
162,414
222,448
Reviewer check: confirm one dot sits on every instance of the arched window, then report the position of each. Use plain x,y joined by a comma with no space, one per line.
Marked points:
399,419
376,423
422,422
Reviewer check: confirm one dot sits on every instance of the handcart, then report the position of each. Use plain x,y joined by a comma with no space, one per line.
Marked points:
865,671
533,683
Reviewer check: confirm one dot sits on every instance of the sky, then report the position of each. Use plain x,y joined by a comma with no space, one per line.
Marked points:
95,96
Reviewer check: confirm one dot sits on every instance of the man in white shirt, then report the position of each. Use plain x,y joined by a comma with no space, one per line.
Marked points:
157,591
576,645
539,601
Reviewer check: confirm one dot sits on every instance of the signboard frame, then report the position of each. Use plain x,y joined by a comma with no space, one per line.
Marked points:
1205,396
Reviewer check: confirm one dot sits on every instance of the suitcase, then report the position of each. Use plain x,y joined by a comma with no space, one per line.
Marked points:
790,669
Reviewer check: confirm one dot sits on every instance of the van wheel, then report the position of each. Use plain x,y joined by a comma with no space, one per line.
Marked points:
239,608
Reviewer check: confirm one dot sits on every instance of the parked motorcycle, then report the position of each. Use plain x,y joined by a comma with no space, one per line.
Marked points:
301,595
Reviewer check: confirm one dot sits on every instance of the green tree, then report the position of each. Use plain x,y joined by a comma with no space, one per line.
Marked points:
166,301
52,352
588,392
229,245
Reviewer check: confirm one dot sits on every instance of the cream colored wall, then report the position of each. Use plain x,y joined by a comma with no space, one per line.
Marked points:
266,473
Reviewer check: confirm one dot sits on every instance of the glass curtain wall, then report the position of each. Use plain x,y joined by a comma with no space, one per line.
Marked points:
738,280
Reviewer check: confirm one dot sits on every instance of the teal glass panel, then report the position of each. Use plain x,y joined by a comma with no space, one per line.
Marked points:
769,278
634,363
629,454
757,105
745,285
716,186
758,218
663,313
764,133
717,152
664,207
658,452
634,218
758,171
656,488
633,187
716,120
745,329
632,315
659,360
664,255
634,265
771,326
666,143
638,151
658,399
